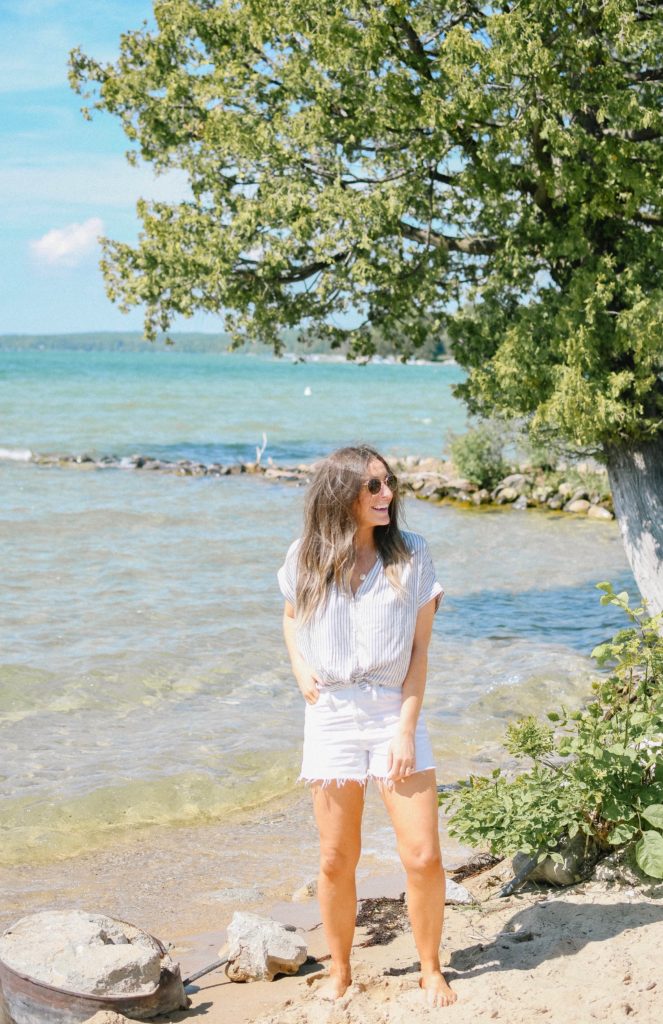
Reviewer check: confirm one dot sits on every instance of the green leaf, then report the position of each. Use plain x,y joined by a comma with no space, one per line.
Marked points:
654,815
622,833
649,854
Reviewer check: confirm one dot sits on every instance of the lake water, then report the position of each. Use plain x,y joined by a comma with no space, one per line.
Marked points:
143,678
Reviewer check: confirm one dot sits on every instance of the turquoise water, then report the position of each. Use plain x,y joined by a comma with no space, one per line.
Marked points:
216,407
143,678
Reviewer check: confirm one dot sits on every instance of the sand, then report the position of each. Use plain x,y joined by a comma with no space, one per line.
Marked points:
592,952
589,953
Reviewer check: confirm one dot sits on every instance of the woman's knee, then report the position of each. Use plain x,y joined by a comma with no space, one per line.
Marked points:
422,860
337,861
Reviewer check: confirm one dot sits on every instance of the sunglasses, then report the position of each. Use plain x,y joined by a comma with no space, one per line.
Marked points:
374,485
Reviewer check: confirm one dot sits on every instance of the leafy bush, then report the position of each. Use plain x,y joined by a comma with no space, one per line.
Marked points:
478,455
599,772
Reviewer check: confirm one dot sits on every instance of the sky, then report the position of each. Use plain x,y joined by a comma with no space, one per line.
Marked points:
63,180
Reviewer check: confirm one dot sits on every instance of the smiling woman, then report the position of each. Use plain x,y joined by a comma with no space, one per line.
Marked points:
360,596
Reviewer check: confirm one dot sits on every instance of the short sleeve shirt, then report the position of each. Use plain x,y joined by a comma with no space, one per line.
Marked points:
366,637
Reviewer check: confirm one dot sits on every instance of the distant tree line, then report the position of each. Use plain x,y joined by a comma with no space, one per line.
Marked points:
133,341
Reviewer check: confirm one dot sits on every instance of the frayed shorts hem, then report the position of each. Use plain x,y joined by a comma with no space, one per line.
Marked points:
363,780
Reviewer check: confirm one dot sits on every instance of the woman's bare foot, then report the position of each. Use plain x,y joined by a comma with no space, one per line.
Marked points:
335,984
436,990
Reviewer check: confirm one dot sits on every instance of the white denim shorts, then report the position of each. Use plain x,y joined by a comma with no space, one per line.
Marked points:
347,733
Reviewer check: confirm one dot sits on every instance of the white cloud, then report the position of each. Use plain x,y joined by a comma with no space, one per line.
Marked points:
67,246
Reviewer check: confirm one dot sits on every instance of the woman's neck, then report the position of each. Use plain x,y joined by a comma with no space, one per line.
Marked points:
365,539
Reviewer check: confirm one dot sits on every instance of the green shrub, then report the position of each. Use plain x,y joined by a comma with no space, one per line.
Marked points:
599,773
478,455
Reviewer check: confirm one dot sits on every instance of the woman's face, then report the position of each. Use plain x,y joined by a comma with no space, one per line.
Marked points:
373,509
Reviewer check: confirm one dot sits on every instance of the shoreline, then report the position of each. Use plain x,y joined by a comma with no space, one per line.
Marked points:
424,477
186,880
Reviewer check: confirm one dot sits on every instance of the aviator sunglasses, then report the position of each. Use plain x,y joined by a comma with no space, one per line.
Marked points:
374,485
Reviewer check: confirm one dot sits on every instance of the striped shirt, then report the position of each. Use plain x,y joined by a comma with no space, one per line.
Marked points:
365,638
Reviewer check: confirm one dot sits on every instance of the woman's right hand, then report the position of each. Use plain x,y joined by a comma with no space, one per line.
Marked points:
308,684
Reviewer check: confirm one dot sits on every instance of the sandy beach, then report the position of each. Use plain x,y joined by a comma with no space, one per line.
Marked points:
585,953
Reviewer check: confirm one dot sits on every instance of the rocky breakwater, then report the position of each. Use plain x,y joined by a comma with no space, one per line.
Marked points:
578,489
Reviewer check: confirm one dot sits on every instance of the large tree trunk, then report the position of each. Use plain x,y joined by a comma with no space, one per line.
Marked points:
635,472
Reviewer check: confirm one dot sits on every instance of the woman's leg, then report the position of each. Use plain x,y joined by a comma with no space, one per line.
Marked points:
413,808
338,811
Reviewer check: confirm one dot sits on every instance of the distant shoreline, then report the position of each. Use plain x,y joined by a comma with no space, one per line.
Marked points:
190,343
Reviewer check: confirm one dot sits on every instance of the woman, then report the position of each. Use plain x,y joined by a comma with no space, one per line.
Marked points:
360,596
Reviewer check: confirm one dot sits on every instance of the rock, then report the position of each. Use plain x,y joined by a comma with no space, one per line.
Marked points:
259,948
580,492
457,895
460,484
83,952
506,494
579,505
517,480
305,891
417,483
430,489
599,512
578,859
566,489
555,502
520,503
481,497
621,868
542,493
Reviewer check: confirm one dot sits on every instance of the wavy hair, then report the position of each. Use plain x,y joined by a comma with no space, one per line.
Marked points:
327,549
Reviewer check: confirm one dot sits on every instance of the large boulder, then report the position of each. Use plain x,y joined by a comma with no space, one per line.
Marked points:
260,948
81,952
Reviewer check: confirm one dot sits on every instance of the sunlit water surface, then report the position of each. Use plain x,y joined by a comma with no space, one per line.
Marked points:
143,678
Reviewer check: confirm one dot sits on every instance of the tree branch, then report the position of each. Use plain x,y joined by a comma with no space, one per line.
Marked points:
444,179
416,46
477,246
637,135
299,274
648,75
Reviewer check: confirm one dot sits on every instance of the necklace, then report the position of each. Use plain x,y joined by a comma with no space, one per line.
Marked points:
362,575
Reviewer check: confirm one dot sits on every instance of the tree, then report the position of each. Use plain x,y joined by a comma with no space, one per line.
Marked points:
490,170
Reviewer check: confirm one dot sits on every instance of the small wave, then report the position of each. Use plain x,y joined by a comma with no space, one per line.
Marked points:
15,454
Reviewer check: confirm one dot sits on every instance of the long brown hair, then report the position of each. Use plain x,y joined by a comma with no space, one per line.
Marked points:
327,550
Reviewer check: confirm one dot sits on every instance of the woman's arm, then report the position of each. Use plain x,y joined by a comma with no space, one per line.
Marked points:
306,680
402,748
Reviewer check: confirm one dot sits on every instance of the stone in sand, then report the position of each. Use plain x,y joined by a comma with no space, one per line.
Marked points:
457,894
82,952
305,891
259,948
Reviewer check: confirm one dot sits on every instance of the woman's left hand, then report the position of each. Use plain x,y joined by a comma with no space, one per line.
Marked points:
400,761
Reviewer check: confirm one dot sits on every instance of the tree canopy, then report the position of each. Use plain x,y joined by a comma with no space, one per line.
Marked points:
408,167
